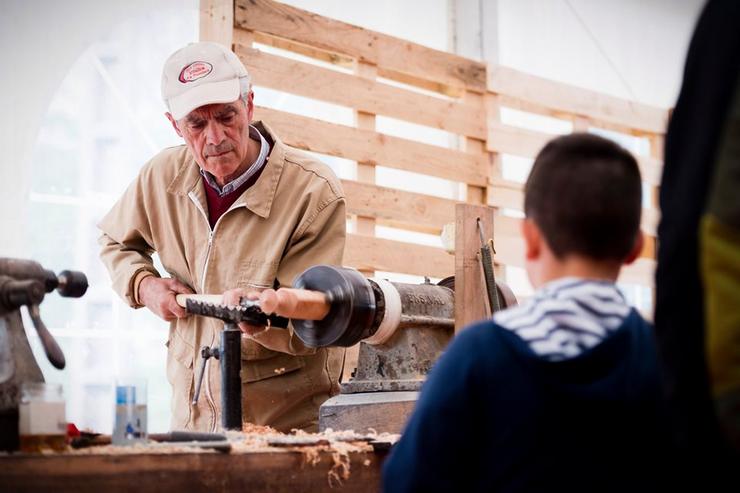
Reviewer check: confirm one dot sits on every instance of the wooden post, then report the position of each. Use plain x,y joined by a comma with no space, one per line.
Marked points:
496,168
364,225
470,291
657,148
217,21
475,194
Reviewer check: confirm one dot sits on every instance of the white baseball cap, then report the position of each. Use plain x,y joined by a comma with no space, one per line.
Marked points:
199,74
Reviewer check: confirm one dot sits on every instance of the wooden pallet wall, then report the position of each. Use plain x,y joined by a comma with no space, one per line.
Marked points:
380,75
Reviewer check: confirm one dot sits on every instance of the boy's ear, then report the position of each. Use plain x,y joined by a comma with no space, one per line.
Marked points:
532,239
636,249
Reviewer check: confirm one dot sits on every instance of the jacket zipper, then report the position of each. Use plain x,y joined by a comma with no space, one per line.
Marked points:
211,232
207,376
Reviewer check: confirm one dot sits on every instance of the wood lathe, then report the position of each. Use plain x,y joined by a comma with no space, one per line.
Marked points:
401,328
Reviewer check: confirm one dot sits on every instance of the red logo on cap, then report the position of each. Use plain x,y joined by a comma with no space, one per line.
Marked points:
195,71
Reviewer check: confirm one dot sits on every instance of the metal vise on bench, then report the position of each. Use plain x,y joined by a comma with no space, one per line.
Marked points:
25,282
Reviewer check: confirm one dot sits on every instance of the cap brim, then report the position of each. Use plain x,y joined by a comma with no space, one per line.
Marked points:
216,92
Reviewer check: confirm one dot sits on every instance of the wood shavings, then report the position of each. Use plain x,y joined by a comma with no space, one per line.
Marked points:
339,472
311,456
252,429
137,449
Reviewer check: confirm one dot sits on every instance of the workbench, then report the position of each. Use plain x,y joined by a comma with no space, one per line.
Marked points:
112,469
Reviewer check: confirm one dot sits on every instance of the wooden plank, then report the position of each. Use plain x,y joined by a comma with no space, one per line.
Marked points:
510,251
506,194
192,472
475,194
301,49
470,292
517,141
366,167
365,223
217,21
651,170
657,150
510,195
641,272
508,139
492,104
405,209
365,145
370,96
348,62
368,253
394,54
576,101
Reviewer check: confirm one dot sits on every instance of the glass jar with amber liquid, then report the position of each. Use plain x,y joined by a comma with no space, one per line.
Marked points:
42,422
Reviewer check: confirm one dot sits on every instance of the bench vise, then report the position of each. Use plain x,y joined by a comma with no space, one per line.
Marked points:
25,282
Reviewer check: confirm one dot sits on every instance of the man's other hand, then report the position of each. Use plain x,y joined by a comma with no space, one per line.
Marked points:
232,297
159,296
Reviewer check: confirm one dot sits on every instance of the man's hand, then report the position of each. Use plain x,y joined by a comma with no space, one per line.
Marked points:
232,298
159,296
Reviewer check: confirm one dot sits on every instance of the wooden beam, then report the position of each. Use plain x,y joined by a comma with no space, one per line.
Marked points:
470,291
368,253
657,150
517,141
303,79
492,104
366,145
510,251
576,101
217,21
364,223
407,210
395,54
506,194
510,195
349,62
475,194
641,272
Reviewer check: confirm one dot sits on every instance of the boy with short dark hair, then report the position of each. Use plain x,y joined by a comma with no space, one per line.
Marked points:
561,393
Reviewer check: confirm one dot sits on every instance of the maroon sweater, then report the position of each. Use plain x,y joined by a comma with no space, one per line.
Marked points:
217,205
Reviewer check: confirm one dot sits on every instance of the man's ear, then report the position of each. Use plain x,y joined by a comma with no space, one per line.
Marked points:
250,106
636,249
532,239
174,123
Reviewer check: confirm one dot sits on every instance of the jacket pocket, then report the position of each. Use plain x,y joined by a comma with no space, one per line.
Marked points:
257,274
280,364
180,377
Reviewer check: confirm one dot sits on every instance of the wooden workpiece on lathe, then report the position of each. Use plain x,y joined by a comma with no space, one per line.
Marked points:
300,304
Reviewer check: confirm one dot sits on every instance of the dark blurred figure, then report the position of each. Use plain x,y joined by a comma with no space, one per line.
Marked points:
699,252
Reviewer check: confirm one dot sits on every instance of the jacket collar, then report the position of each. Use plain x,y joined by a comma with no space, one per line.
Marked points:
259,197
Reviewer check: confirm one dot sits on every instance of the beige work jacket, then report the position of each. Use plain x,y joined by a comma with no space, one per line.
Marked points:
293,217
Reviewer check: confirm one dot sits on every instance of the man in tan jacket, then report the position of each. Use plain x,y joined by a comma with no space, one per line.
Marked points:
234,208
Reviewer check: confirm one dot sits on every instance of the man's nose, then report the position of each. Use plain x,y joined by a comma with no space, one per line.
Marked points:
214,133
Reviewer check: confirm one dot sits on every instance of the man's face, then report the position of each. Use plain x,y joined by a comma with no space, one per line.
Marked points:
218,137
